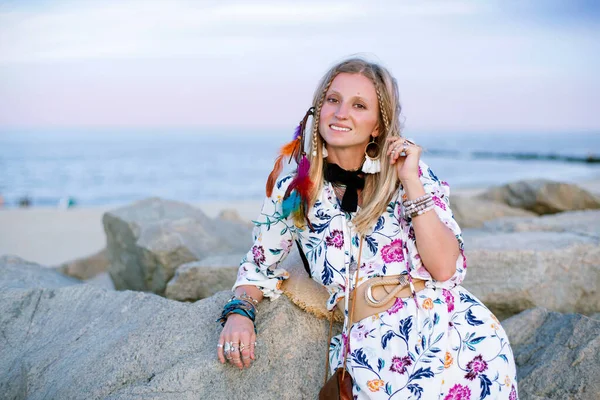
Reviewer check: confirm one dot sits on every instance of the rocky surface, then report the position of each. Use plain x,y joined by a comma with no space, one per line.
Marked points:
201,279
471,212
543,196
148,240
86,267
82,342
557,355
526,264
16,273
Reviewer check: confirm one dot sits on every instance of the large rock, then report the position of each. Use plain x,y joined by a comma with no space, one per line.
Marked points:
16,273
513,271
200,279
81,342
557,355
148,240
543,196
86,267
586,223
472,212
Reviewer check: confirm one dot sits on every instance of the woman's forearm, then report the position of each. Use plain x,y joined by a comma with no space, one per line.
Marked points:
437,245
250,290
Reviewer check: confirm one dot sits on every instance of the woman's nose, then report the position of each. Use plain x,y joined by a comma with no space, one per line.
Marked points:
342,111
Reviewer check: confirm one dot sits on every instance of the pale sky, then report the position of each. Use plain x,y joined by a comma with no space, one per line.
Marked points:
460,65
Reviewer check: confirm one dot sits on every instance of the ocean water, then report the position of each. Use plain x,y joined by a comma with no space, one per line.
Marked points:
111,167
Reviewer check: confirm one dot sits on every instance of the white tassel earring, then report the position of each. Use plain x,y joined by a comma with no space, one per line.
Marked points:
372,164
324,152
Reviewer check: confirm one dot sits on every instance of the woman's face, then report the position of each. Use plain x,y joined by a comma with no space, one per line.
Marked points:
350,112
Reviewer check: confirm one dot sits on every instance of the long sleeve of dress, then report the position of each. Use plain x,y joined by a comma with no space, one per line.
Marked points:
273,238
440,193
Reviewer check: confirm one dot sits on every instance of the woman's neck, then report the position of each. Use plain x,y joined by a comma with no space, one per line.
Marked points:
348,159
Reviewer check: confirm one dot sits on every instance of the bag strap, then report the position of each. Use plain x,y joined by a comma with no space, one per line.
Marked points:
360,238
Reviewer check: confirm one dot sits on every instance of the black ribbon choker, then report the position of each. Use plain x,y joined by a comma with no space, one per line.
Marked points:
353,180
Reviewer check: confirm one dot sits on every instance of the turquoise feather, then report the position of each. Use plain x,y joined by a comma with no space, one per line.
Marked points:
291,203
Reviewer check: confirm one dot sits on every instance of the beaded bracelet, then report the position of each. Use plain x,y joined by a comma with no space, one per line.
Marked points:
422,211
417,208
421,199
245,296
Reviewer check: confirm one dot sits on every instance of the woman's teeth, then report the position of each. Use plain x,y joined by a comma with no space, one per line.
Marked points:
339,129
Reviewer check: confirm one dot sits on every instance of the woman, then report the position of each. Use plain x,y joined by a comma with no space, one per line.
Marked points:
363,196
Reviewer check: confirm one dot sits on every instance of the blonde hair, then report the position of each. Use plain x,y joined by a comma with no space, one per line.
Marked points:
380,187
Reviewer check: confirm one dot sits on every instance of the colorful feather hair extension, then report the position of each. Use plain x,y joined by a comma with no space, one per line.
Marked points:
299,191
292,150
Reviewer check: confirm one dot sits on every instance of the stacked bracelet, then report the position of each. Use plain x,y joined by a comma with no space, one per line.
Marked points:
418,206
238,306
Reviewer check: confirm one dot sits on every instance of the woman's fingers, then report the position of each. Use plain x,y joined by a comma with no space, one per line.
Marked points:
252,345
220,349
245,349
235,358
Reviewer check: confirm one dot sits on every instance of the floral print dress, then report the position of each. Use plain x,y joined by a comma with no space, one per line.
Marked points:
443,343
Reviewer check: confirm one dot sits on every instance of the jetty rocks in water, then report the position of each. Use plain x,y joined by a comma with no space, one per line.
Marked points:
155,337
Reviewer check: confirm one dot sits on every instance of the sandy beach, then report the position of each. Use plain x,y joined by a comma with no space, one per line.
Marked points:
51,236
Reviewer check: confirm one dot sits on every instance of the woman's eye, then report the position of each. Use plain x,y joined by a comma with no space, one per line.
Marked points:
362,106
331,100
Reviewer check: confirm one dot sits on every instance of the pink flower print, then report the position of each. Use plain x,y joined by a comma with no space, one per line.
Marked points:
259,254
513,393
285,245
449,299
438,202
411,233
398,305
420,172
359,332
444,183
399,364
458,392
393,252
475,367
423,273
335,239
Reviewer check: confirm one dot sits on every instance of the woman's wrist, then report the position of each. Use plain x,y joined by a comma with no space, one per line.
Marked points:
413,188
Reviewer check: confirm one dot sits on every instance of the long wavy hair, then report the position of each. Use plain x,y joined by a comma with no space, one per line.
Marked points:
379,187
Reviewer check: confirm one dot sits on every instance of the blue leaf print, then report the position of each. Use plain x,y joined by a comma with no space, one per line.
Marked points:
421,373
465,297
432,175
355,241
384,269
424,341
436,318
281,182
318,228
380,364
502,356
386,338
438,301
470,344
471,320
485,384
372,244
361,358
416,390
388,389
405,326
275,251
320,214
379,225
326,275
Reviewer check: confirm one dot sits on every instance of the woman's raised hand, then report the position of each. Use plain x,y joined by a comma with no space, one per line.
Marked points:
405,155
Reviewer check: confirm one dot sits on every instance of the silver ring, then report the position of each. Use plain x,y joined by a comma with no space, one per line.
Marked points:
242,347
219,345
227,347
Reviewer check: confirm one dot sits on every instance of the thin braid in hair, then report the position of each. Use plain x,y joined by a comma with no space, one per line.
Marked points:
317,115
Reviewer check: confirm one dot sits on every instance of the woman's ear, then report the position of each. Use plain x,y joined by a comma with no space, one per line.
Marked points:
375,132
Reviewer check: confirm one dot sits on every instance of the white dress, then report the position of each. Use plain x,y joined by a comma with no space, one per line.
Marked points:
442,344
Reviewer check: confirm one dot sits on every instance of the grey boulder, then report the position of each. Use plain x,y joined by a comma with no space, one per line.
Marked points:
513,271
557,355
17,273
543,196
200,279
82,342
472,212
148,240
